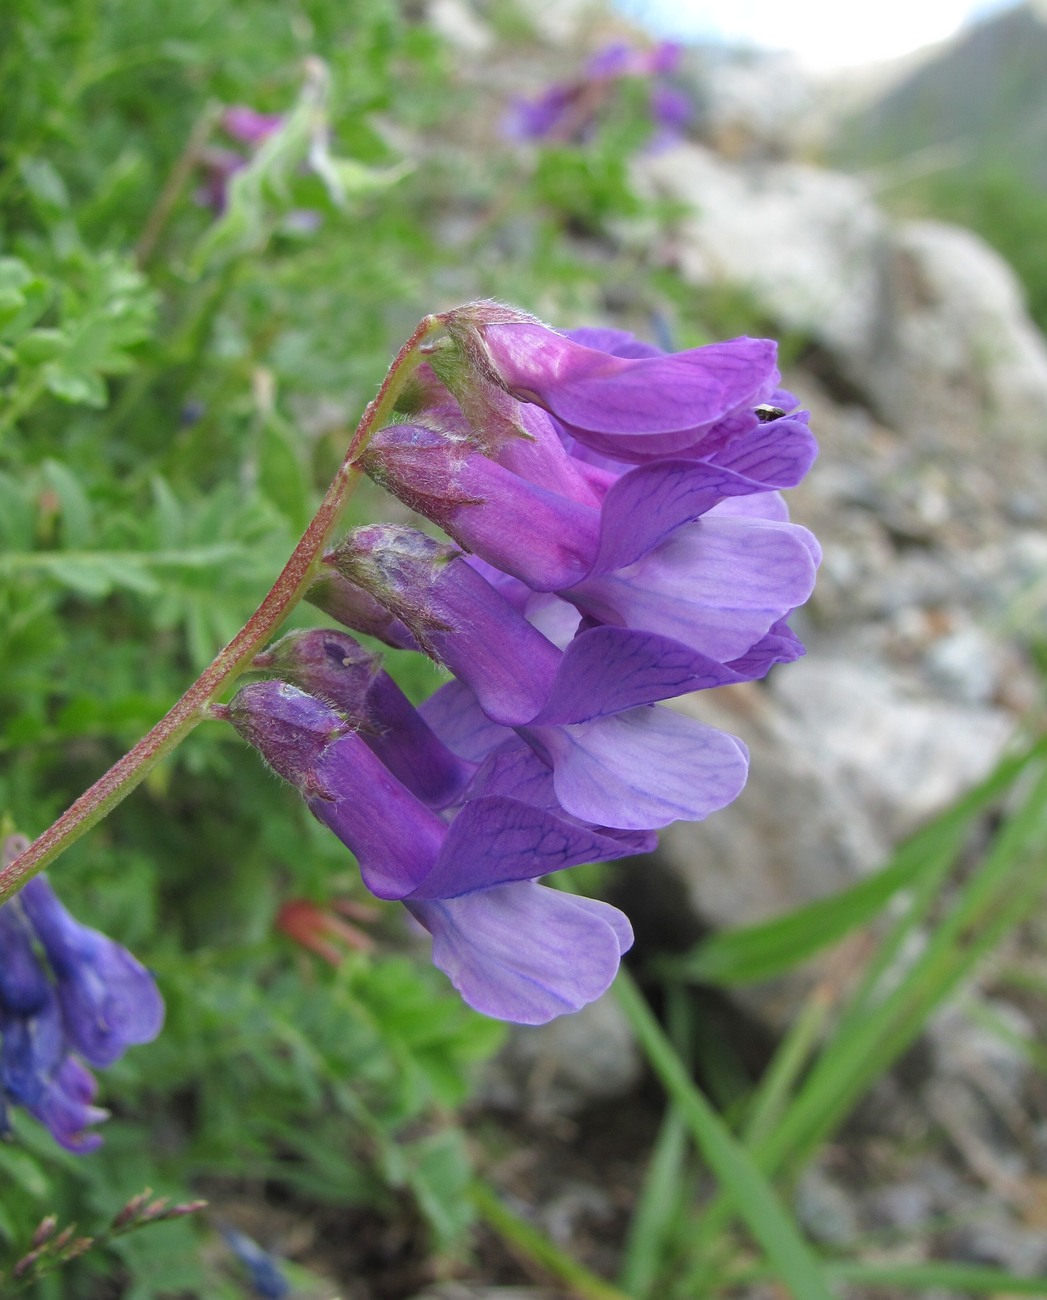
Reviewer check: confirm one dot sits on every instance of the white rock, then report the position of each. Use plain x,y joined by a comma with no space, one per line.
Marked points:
961,348
809,244
924,319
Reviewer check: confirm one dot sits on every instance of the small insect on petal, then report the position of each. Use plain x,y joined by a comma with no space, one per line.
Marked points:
765,413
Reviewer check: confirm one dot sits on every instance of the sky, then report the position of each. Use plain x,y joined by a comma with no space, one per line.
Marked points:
825,35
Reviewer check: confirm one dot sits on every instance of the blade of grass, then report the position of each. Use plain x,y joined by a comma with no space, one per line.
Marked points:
971,1279
794,1263
868,1041
526,1239
765,1106
787,1064
658,1208
977,1278
768,948
871,1036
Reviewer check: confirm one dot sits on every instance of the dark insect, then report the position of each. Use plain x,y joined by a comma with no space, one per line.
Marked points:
765,414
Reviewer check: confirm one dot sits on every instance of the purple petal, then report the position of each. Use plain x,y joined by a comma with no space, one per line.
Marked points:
761,505
24,987
494,840
619,343
643,769
250,126
329,665
556,619
523,952
517,771
717,585
109,1000
610,669
544,538
542,459
777,454
640,408
460,618
396,839
781,645
454,714
672,110
652,501
514,769
66,1108
33,1048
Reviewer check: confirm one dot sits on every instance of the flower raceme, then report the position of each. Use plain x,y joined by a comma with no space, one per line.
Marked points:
619,540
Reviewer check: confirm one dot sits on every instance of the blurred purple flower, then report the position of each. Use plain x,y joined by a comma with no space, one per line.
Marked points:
248,125
263,1270
92,999
109,1000
568,112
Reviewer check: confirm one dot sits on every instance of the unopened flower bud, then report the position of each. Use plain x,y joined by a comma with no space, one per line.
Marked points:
331,666
358,610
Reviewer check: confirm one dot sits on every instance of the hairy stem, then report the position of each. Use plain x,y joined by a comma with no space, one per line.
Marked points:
117,783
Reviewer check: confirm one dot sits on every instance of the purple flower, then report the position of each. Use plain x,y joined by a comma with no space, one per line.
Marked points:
525,953
334,668
585,710
556,542
569,111
109,1000
625,542
249,126
267,1281
458,877
91,999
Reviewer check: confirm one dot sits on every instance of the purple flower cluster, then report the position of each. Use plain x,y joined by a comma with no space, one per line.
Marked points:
620,540
567,111
68,995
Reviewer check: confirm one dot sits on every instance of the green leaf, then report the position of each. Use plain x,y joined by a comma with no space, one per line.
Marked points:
41,345
78,387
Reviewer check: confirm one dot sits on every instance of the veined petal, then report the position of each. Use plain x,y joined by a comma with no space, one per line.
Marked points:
777,454
651,502
495,839
454,714
611,669
643,769
630,408
523,952
717,585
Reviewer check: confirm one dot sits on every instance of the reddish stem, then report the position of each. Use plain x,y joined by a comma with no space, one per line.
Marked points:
118,782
